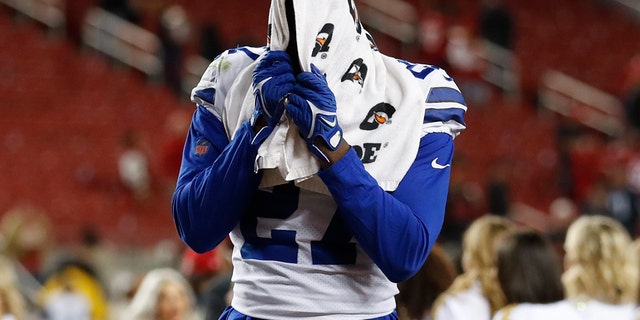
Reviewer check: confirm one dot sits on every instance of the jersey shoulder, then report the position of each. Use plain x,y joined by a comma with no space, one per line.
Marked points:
220,75
443,101
435,83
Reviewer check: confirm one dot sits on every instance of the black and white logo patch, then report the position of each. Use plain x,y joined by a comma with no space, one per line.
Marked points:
381,113
357,72
323,39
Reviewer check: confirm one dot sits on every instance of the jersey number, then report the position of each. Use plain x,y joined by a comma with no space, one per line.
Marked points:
333,248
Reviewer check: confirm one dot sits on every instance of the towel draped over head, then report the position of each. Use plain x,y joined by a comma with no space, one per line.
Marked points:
380,105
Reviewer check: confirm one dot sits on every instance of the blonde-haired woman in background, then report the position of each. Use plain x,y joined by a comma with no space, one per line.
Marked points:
163,294
476,293
601,278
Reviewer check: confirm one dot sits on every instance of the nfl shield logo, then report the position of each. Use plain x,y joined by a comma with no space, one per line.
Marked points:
202,147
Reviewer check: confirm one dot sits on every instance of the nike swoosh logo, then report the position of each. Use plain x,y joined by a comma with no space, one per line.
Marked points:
331,123
436,165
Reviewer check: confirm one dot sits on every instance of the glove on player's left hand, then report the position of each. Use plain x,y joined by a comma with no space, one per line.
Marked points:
312,106
272,79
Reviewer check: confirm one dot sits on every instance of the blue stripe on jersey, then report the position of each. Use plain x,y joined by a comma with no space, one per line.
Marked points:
248,52
207,94
434,115
445,94
420,71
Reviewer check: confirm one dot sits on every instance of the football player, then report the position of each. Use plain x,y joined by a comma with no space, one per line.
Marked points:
326,162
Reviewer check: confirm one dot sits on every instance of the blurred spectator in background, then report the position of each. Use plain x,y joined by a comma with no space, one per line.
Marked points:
463,58
210,276
497,24
174,33
211,44
567,132
476,293
631,104
175,128
67,304
101,257
201,268
462,51
163,294
631,73
27,237
605,185
433,27
217,295
498,195
465,203
458,216
633,172
585,153
122,9
596,200
74,291
562,212
529,272
600,276
630,91
623,204
12,301
133,165
91,250
417,295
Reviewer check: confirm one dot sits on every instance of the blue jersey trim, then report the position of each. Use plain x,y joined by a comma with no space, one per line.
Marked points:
445,94
444,115
207,94
248,52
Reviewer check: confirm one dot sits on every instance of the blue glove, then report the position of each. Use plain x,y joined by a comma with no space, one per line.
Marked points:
272,79
312,106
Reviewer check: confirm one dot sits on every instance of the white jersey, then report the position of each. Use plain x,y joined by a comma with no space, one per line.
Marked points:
301,279
568,310
302,287
469,304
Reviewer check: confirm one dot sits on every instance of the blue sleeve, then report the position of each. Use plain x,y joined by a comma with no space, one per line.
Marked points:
215,182
397,230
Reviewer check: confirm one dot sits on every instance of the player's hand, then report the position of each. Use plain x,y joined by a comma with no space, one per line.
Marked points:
312,107
272,79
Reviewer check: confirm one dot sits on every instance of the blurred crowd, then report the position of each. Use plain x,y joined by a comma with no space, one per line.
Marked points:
506,270
96,281
511,271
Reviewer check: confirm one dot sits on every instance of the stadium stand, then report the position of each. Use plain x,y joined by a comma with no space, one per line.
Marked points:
64,109
63,112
